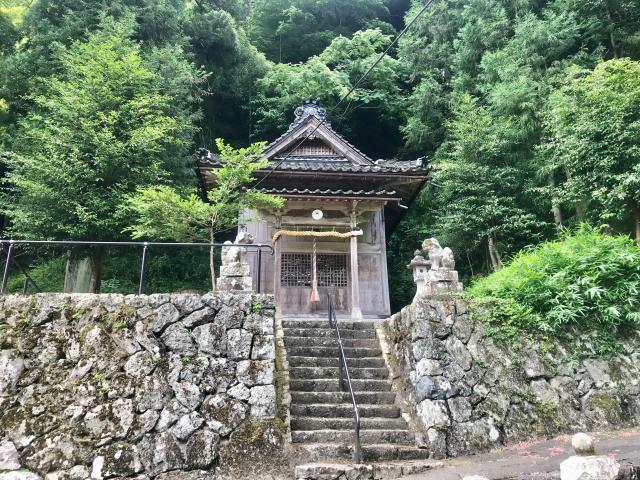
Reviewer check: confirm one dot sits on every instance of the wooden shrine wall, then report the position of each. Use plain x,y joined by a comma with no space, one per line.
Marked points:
372,269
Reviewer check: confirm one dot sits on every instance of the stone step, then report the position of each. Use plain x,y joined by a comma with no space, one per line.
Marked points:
402,437
344,423
299,373
342,324
344,410
349,352
377,453
338,398
331,342
318,452
386,471
322,332
362,362
333,385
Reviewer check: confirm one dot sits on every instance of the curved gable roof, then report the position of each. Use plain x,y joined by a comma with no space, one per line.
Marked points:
311,118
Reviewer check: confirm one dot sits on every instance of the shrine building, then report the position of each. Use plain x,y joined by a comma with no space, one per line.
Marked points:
330,236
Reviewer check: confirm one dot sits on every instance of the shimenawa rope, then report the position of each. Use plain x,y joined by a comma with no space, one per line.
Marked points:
312,234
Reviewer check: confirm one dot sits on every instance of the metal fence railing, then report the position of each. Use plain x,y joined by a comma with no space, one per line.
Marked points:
345,381
8,249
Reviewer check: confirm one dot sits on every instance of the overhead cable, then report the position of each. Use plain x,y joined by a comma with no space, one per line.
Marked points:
351,90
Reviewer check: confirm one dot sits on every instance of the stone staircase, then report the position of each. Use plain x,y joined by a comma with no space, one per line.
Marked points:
322,415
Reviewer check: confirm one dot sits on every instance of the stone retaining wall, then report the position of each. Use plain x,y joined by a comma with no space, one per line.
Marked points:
157,386
468,393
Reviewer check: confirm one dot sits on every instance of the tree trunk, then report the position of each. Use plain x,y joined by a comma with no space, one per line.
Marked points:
496,261
469,261
612,39
581,207
581,210
212,267
83,271
635,213
555,207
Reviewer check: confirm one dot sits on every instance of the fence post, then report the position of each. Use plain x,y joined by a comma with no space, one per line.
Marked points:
143,268
259,281
7,265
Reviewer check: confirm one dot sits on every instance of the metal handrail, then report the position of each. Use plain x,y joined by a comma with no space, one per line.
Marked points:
8,246
345,380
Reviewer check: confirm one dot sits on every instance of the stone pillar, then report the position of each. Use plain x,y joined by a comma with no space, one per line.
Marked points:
356,313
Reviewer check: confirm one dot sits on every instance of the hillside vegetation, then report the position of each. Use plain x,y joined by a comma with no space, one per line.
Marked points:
586,283
528,111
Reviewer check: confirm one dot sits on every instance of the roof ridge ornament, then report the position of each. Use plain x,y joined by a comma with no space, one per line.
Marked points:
310,107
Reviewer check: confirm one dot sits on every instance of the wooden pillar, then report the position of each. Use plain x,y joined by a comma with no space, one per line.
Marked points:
382,239
277,267
276,274
356,313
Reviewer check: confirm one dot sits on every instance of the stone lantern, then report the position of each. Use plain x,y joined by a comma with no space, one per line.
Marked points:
420,267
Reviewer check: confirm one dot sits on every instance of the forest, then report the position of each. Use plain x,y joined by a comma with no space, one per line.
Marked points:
528,112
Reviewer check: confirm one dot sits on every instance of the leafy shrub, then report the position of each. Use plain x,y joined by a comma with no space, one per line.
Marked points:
48,275
587,283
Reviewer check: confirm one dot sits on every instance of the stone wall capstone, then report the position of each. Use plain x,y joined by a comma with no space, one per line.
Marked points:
469,393
159,386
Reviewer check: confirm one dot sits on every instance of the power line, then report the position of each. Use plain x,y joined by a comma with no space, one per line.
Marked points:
351,90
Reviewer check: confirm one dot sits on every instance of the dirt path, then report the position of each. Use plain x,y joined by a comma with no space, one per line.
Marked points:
535,460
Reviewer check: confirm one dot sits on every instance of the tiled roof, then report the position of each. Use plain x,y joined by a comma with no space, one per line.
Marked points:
337,164
328,191
333,164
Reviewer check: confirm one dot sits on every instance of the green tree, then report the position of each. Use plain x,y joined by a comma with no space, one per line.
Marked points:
374,111
509,56
15,10
221,47
162,213
173,32
294,30
483,190
507,52
481,202
46,24
238,9
594,135
442,54
100,129
424,128
281,89
612,24
8,35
